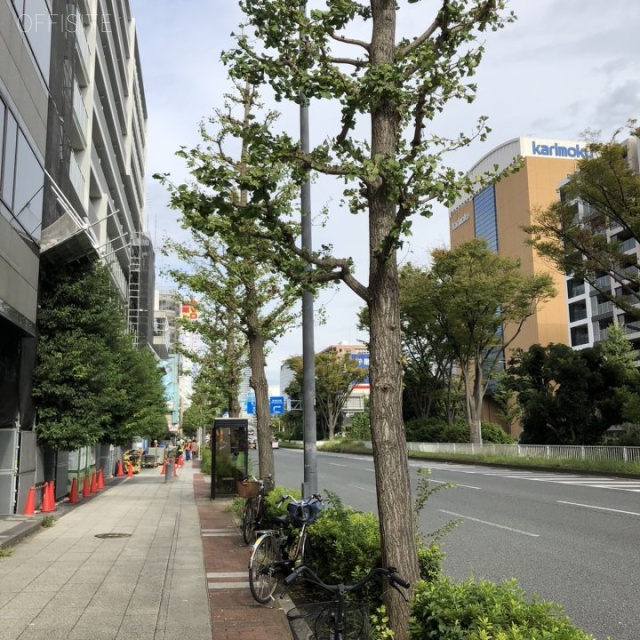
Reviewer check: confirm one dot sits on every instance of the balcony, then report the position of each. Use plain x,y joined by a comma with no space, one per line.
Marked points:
76,177
82,52
80,120
602,308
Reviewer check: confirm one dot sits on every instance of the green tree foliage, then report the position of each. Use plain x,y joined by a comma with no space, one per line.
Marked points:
567,396
483,610
584,232
336,376
391,87
431,388
91,385
221,261
475,302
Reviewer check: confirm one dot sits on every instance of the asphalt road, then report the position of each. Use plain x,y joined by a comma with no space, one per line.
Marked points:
573,539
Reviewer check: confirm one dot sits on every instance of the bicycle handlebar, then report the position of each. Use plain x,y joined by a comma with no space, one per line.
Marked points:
390,573
283,498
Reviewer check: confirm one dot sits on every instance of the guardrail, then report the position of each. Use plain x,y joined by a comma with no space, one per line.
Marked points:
563,452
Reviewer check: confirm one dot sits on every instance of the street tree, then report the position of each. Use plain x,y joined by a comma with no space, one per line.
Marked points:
336,376
91,383
587,232
478,302
393,88
566,396
431,384
254,296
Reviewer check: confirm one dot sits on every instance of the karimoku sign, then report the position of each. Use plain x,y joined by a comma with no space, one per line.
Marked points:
552,149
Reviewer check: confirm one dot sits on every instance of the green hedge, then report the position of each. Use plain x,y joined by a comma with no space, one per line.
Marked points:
442,610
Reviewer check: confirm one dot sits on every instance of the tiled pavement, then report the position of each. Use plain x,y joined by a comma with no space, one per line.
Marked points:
172,566
234,613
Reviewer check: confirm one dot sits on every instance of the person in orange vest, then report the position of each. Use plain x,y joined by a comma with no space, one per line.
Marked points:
187,450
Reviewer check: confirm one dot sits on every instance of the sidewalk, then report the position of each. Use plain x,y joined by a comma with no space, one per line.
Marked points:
143,558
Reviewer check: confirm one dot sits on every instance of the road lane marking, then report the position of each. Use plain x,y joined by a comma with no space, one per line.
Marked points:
335,464
491,524
355,486
591,506
454,483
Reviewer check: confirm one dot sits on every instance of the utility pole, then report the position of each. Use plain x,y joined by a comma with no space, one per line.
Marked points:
310,485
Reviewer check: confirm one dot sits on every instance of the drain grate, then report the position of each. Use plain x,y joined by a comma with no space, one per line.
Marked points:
113,535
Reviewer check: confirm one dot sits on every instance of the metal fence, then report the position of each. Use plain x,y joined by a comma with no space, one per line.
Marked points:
563,452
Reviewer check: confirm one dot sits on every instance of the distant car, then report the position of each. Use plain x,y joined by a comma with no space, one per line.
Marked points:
274,443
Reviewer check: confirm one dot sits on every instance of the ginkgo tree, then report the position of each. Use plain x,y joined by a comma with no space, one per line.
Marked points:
227,263
337,374
393,85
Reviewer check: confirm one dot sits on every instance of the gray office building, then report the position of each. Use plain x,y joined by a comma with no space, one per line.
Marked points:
72,157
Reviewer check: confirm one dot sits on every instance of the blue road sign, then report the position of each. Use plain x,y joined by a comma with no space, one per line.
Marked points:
276,405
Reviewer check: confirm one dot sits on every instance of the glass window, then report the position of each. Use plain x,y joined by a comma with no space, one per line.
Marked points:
28,197
3,111
484,210
37,26
9,160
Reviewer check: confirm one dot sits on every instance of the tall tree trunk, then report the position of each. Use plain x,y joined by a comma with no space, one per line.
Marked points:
259,384
476,404
231,355
395,508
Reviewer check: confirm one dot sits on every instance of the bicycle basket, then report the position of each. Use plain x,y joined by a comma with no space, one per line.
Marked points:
306,512
248,488
316,621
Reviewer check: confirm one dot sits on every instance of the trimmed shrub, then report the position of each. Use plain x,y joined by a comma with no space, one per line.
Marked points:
205,460
492,432
442,610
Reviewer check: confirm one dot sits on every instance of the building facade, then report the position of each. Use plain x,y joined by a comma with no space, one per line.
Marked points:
590,313
72,156
498,213
24,102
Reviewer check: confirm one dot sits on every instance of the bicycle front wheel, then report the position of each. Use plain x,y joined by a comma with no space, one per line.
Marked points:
249,521
263,578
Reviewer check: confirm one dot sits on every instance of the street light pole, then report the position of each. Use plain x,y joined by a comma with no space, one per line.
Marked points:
310,485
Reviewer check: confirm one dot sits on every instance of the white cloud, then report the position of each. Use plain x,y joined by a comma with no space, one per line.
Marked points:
563,67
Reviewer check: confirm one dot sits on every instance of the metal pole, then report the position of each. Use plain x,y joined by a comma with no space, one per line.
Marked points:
308,348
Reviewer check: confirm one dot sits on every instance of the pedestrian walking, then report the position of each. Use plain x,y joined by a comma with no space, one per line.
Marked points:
187,450
194,449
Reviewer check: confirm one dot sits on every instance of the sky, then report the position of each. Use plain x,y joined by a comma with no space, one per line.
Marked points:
564,67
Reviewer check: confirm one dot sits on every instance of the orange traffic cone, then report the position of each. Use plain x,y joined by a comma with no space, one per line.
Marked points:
119,470
93,487
73,494
86,491
30,504
100,479
163,469
175,469
130,470
46,499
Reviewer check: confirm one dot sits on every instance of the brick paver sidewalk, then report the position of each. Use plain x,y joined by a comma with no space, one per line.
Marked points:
235,615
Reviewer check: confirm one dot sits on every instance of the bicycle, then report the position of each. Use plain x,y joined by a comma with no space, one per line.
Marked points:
253,511
338,619
279,550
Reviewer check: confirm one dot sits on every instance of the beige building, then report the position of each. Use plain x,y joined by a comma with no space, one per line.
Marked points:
498,213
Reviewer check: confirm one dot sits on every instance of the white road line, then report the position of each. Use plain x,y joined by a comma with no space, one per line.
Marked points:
335,464
227,585
491,524
213,575
355,486
591,506
465,486
372,470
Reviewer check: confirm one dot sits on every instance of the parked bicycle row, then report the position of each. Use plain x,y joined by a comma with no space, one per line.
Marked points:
291,540
282,553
